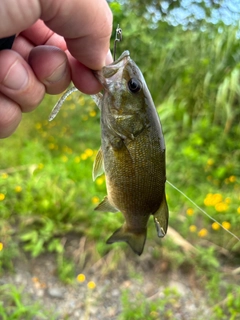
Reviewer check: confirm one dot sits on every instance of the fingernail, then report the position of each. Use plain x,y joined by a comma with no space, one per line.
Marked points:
17,77
58,74
109,58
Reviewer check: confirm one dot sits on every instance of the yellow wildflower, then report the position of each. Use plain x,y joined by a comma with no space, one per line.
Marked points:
216,198
2,196
38,125
64,158
95,200
51,146
220,207
81,100
207,200
91,285
81,277
215,226
238,210
92,113
210,162
192,228
202,233
212,199
1,246
89,152
190,211
40,166
4,175
84,156
72,106
232,179
226,225
18,189
100,181
77,159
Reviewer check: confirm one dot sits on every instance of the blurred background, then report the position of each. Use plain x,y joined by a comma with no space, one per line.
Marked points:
52,239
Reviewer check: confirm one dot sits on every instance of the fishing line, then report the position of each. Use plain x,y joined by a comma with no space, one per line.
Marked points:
199,208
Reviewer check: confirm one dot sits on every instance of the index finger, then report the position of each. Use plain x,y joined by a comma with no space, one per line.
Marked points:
86,26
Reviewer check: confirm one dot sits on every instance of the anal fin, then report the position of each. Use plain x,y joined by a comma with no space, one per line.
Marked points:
161,218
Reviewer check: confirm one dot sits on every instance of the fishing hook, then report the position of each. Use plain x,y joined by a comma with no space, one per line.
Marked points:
118,33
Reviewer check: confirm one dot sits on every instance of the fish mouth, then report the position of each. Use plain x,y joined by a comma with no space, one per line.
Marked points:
110,70
124,57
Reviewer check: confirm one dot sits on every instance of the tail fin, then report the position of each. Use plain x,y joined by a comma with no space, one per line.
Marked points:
135,240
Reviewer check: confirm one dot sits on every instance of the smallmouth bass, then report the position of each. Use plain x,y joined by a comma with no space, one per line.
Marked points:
132,153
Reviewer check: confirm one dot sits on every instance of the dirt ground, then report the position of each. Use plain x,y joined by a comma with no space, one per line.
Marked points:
117,271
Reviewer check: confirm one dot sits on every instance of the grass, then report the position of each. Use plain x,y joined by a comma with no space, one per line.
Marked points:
47,194
163,308
14,305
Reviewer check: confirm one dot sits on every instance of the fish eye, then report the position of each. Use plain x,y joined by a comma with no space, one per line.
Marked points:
134,85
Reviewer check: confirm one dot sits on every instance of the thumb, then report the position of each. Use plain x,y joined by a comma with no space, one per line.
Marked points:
86,25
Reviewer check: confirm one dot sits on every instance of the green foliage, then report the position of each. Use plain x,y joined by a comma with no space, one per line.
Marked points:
163,8
137,307
233,304
197,71
65,269
8,247
46,188
206,259
13,306
229,308
7,254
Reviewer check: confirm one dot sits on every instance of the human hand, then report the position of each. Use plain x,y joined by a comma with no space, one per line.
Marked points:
57,42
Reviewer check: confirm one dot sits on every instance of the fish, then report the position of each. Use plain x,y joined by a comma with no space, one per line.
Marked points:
132,153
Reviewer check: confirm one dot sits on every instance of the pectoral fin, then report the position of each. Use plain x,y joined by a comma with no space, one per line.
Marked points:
161,218
106,206
97,98
135,240
98,167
